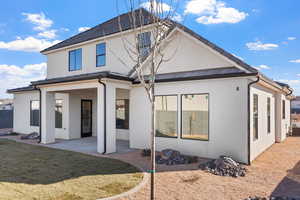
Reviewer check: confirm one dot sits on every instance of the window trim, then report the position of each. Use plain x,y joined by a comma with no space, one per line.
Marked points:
208,138
70,70
177,120
125,115
254,138
61,112
30,122
104,54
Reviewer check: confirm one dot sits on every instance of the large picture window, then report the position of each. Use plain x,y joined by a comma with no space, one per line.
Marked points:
166,116
255,117
34,113
269,114
195,116
101,54
75,59
144,43
122,114
58,113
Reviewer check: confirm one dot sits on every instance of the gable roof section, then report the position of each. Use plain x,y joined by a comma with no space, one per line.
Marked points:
109,27
112,26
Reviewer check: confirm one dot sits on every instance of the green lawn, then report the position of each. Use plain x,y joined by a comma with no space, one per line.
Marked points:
30,172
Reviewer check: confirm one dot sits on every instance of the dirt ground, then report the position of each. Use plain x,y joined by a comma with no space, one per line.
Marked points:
275,172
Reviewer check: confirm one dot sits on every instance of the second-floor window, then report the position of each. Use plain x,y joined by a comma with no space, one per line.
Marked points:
75,59
144,44
101,54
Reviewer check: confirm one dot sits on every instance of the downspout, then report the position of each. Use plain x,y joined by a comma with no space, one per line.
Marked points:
104,86
40,102
249,117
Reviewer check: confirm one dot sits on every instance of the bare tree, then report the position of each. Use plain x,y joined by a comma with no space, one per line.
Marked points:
151,30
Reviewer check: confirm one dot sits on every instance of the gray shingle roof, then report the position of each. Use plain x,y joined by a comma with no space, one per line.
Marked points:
107,28
224,72
21,89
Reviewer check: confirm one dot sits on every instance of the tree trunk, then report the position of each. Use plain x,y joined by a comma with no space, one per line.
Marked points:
152,146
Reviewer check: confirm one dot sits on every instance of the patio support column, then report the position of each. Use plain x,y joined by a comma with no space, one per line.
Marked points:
48,117
111,118
100,119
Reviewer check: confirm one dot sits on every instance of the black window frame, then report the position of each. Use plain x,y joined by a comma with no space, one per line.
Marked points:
177,120
143,45
56,107
283,109
75,69
255,118
31,114
208,128
127,116
101,55
269,115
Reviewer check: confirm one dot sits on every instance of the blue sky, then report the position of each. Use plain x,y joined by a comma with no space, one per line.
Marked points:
265,35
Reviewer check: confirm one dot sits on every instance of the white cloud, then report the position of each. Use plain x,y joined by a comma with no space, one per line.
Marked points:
177,17
48,34
295,61
29,44
214,12
12,76
40,20
259,46
291,38
290,82
260,67
81,29
298,74
158,7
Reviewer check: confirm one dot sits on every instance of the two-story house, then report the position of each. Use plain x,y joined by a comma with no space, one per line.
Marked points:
208,102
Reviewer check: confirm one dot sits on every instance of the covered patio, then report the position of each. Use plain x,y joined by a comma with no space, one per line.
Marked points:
88,145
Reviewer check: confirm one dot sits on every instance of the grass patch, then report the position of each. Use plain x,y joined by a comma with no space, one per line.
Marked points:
33,172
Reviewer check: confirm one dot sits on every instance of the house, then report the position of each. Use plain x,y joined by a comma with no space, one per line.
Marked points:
6,104
208,102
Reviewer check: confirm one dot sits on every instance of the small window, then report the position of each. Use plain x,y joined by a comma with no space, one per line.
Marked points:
58,113
255,117
166,116
283,109
195,116
75,59
269,114
101,55
122,114
144,44
34,113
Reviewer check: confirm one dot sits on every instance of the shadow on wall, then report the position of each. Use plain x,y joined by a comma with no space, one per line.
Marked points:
30,164
290,185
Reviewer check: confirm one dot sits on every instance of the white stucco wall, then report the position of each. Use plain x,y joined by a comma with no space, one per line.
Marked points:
265,139
187,54
22,112
227,118
116,57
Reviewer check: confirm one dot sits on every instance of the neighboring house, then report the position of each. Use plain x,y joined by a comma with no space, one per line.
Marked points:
208,102
295,111
6,104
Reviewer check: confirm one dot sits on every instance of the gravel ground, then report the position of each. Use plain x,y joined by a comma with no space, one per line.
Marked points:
275,172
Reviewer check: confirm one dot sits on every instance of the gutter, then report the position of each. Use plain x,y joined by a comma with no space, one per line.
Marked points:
40,126
249,116
104,85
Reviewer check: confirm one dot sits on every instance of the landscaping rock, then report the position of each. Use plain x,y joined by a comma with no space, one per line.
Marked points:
173,157
224,166
30,136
